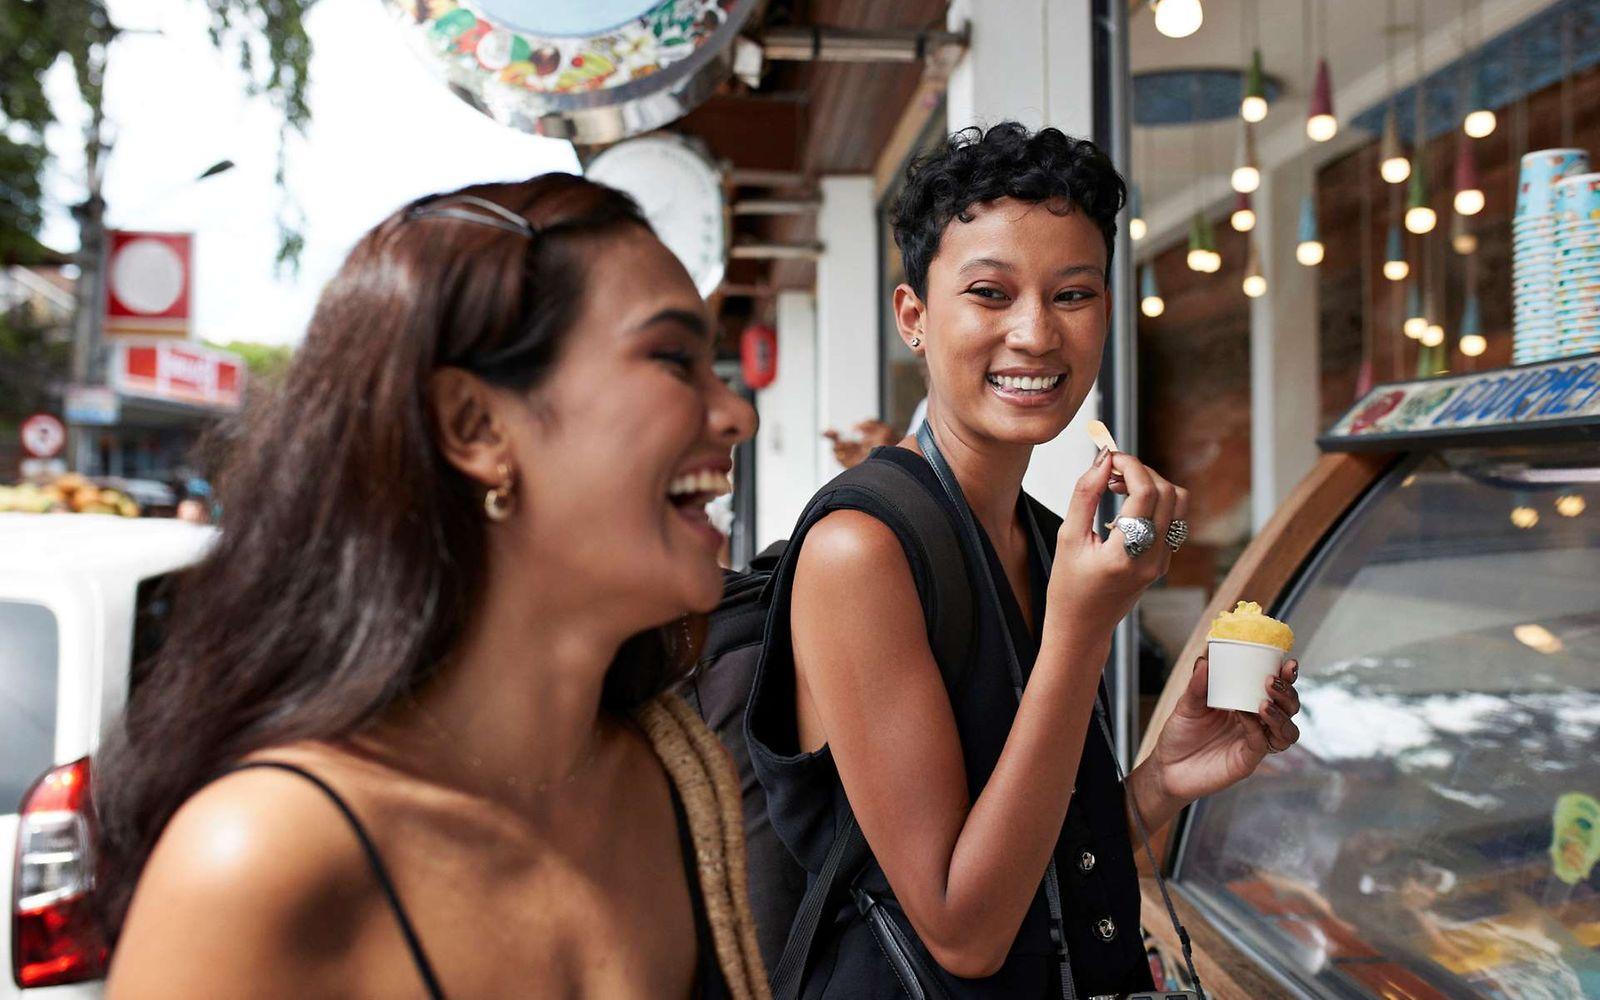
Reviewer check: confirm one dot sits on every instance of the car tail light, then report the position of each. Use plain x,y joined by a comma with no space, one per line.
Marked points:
54,936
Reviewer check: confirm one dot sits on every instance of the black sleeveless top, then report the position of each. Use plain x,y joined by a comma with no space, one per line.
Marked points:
1094,855
709,982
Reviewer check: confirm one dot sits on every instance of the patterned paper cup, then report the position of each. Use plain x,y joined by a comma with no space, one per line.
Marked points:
1577,198
1540,172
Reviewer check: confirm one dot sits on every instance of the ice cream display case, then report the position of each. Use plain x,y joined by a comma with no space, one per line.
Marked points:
1435,832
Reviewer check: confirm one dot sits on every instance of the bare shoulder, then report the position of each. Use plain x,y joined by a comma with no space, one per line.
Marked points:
850,542
257,873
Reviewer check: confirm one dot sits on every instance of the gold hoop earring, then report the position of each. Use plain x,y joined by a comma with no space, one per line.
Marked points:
497,502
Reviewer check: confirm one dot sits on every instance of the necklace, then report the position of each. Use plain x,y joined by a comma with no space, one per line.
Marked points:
511,781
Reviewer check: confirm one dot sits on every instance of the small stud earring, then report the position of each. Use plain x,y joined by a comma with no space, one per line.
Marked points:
497,502
916,342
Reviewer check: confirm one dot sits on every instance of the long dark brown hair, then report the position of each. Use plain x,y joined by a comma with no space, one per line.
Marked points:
352,551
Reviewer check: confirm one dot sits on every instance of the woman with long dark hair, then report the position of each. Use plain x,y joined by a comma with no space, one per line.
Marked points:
1001,840
407,735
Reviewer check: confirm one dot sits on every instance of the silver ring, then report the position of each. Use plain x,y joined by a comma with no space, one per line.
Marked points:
1177,534
1138,534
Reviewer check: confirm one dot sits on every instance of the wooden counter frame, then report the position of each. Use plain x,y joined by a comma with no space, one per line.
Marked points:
1266,568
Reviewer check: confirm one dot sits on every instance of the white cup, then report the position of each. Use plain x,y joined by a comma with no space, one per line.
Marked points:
1240,672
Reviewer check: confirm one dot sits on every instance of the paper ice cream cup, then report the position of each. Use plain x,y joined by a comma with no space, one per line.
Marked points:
1240,672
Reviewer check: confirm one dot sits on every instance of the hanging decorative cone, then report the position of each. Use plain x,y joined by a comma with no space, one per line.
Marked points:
1467,181
1420,216
1309,232
1394,166
1147,283
1247,173
1256,81
1396,249
1321,125
1471,317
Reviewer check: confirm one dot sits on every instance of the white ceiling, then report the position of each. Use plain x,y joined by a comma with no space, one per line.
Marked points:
1164,156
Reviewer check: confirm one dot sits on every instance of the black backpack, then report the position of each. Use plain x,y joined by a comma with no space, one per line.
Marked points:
787,914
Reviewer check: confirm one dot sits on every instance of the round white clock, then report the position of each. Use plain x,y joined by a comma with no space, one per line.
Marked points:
680,193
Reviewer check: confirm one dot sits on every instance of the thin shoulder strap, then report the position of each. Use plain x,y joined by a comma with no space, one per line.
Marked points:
374,861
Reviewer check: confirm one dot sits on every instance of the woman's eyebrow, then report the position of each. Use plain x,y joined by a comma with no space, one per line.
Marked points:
688,318
980,263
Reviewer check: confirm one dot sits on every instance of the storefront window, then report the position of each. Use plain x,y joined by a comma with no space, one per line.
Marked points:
1436,832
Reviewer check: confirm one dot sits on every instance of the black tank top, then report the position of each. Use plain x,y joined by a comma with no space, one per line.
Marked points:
709,983
1094,855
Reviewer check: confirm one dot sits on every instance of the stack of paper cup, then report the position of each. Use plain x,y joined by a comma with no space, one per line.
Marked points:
1577,264
1533,252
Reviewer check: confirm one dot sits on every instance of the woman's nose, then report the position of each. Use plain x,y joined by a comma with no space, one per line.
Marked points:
731,418
1035,332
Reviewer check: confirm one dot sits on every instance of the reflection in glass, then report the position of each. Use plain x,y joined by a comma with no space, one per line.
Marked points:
1436,832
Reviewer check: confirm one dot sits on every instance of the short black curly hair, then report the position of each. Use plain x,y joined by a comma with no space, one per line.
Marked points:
1006,160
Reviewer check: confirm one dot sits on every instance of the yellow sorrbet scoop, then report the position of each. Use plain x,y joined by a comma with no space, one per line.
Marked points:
1246,623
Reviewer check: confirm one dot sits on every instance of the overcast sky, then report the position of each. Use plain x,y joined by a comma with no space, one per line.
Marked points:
383,131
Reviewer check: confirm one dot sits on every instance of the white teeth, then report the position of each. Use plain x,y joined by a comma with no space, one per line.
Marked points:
705,481
1025,384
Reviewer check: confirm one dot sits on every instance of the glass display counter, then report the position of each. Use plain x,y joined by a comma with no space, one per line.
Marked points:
1436,831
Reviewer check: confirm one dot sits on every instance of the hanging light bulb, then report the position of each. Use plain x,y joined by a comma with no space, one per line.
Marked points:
1433,336
1196,257
1178,18
1394,167
1244,216
1395,267
1524,517
1309,251
1254,106
1472,341
1469,190
1255,283
1480,121
1136,225
1570,505
1416,320
1321,125
1247,175
1463,240
1150,301
1420,218
1213,257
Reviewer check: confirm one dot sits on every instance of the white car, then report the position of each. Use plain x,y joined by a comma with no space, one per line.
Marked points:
83,599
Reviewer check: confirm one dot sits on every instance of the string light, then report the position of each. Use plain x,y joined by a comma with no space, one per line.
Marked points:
1395,267
1247,175
1255,283
1309,251
1178,18
1244,216
1150,301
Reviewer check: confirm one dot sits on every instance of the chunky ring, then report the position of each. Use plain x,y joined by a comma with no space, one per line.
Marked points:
1177,534
1138,534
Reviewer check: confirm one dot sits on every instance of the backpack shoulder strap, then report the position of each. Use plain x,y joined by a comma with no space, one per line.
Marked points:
947,608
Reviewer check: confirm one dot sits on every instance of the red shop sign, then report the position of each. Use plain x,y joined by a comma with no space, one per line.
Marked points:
180,372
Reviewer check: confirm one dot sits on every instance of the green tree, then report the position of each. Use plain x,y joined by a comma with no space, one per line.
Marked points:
265,362
266,37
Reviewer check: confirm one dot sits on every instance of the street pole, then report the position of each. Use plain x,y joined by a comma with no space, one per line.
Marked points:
88,337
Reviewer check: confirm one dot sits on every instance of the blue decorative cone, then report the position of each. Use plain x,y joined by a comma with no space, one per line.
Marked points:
1471,318
1135,202
1308,221
1397,247
1147,283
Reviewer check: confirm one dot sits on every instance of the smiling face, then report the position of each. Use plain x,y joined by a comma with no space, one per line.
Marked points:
626,440
1014,320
